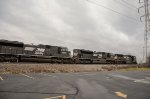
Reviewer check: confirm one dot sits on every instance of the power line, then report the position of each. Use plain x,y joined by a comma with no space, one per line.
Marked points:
133,6
112,10
126,5
121,3
118,1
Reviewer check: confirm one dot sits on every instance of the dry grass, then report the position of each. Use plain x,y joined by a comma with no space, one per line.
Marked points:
141,68
14,68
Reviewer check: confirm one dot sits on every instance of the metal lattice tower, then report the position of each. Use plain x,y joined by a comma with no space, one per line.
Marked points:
147,27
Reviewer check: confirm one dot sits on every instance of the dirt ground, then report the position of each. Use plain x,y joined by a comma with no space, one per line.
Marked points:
15,68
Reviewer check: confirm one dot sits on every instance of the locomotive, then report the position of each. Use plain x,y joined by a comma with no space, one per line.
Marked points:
45,53
10,50
15,51
103,57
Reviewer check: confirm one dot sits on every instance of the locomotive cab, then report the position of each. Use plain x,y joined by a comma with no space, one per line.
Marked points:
82,56
109,58
99,57
130,59
64,51
120,59
133,60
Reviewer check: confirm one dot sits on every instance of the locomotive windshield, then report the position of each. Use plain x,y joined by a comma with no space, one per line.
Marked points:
64,49
98,55
95,54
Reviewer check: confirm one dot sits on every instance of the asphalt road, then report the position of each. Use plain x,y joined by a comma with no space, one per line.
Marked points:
85,85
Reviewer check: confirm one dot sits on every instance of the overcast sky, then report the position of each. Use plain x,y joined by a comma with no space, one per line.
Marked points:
74,24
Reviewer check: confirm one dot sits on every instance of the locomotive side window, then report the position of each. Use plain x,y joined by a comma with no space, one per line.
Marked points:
63,52
64,49
29,48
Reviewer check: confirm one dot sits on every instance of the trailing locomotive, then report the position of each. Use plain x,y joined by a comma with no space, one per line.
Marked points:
14,51
129,59
103,58
10,50
82,56
45,53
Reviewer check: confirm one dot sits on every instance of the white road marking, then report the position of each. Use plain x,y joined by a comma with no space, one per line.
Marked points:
27,76
87,74
108,78
48,75
129,78
62,97
122,76
142,81
90,74
1,78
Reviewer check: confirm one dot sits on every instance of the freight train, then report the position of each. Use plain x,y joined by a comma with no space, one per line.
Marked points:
14,51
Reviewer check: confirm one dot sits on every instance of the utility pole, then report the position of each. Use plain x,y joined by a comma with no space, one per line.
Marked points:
147,26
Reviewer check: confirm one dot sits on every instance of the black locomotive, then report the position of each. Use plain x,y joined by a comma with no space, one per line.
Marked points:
14,51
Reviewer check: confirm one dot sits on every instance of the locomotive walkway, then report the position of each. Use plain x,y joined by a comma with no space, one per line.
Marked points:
84,85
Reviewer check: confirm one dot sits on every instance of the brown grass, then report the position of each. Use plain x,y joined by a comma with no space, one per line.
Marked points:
15,68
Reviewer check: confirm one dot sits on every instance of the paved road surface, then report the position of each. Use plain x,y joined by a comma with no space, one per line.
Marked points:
86,85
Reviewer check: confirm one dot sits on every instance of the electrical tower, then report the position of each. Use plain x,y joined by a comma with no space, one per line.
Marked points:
145,5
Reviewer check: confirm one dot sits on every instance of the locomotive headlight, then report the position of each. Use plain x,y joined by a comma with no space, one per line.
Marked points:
75,54
94,54
115,57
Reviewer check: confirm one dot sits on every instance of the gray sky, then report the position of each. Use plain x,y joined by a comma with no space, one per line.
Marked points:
74,24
